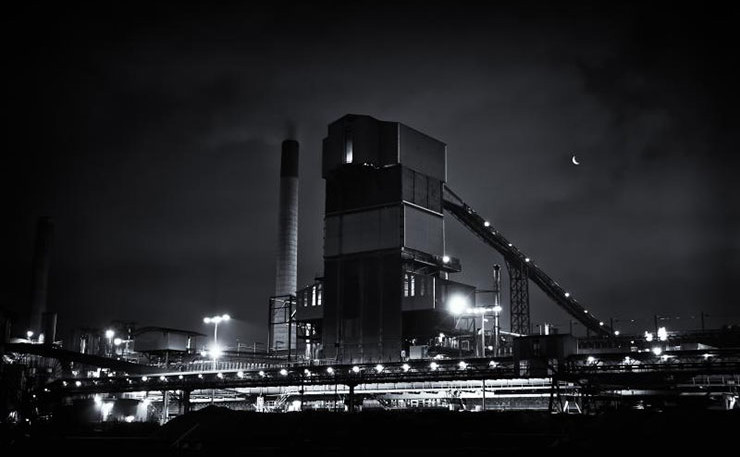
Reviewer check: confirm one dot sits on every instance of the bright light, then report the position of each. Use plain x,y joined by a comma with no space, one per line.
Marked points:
462,365
180,377
284,372
433,366
307,372
129,419
526,259
330,370
567,294
162,378
220,375
657,350
487,224
406,367
240,374
200,375
109,333
664,357
510,245
29,334
216,320
144,378
216,351
206,320
117,341
379,368
616,332
355,369
78,383
457,304
262,373
446,259
601,323
648,336
492,364
662,334
441,335
106,409
706,356
590,359
497,309
225,317
98,401
204,353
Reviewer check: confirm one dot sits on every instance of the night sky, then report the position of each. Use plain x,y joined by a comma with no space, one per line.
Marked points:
152,136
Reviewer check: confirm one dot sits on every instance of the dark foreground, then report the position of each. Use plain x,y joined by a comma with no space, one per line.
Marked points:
220,431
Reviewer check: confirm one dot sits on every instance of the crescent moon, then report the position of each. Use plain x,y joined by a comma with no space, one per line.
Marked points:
574,160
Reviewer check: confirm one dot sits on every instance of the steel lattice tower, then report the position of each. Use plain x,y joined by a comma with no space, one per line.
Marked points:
519,297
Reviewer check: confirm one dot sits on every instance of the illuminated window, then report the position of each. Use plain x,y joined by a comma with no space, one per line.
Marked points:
319,290
348,146
314,294
413,286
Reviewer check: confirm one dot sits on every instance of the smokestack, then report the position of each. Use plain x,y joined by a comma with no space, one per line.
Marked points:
287,258
40,272
496,285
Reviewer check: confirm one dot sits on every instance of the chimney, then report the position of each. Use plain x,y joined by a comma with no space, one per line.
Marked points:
40,272
287,258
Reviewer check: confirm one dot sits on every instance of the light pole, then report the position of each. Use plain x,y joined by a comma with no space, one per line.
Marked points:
483,334
496,329
459,306
215,320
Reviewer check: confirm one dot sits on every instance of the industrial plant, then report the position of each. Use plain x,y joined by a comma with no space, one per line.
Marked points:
385,327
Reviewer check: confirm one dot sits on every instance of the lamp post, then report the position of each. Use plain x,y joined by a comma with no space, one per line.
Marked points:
459,306
496,329
215,320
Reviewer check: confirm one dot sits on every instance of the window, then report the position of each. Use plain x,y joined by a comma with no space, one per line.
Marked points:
348,153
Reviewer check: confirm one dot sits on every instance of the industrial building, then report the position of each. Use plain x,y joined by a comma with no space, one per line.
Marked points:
384,326
385,283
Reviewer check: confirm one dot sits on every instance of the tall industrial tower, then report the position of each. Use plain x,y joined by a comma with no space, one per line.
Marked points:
384,264
281,327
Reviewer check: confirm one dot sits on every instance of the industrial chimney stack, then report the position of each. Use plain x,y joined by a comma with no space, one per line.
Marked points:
40,272
287,257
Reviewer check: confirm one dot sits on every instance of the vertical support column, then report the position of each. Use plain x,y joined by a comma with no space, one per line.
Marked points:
185,401
496,308
483,407
165,407
351,398
519,296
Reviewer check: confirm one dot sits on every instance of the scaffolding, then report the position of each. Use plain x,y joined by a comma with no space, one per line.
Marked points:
282,326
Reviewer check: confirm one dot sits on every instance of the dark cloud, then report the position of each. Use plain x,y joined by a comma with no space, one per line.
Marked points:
152,135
